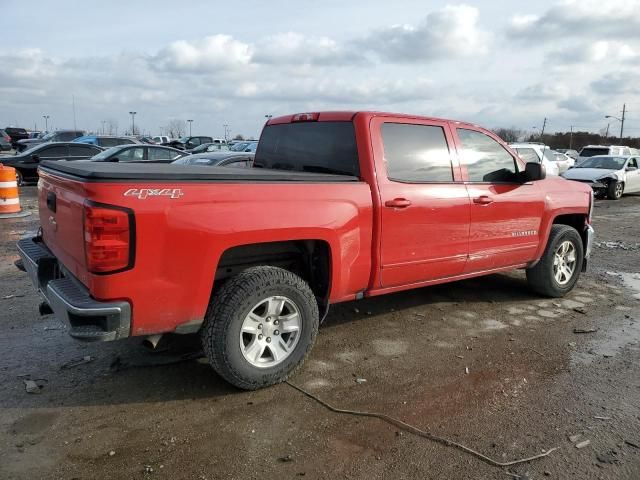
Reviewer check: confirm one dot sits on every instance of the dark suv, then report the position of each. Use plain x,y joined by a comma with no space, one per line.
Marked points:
16,135
189,143
57,136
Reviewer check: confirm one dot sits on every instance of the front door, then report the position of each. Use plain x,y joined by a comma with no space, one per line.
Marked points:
633,176
424,205
505,212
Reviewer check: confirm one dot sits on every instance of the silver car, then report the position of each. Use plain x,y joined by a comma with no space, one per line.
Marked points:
609,176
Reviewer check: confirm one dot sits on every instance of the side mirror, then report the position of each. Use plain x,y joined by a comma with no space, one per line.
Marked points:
534,171
631,169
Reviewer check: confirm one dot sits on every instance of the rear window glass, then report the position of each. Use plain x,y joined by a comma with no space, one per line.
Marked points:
590,152
322,147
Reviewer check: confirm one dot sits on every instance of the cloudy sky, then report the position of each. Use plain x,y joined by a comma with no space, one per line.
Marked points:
572,61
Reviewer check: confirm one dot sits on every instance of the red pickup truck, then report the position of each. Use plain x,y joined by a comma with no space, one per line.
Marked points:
339,206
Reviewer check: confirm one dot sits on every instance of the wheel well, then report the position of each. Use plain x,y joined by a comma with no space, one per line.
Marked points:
309,259
575,220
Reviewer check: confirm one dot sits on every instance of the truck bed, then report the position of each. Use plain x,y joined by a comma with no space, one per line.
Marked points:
116,171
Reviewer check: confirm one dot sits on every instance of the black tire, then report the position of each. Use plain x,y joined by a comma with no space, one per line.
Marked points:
541,277
221,333
615,190
19,178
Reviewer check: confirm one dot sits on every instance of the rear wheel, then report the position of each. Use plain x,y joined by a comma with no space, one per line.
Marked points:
260,326
559,268
615,190
19,178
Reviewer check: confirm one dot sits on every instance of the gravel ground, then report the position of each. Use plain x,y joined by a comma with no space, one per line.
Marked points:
532,384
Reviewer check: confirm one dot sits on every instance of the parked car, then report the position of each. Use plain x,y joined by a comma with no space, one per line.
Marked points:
338,207
569,152
218,159
139,153
36,134
26,163
106,141
189,143
57,136
563,161
593,150
248,146
5,141
162,139
609,176
16,135
210,147
537,152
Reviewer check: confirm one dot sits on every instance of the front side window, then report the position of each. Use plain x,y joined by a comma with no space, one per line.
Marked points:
416,153
54,152
633,163
485,159
131,155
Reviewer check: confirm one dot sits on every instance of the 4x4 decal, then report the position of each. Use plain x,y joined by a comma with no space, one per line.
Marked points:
144,193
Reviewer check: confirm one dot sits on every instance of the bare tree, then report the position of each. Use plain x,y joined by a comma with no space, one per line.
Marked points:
175,128
509,135
238,137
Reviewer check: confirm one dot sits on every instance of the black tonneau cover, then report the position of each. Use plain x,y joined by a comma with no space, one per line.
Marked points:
117,171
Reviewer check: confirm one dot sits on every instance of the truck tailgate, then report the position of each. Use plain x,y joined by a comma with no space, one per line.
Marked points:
61,216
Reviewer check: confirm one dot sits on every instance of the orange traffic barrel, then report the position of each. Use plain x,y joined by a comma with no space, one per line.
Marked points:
9,200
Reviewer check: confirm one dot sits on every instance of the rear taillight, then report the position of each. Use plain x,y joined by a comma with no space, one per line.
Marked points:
108,238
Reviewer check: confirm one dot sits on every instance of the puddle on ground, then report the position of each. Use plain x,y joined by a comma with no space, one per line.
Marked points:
632,281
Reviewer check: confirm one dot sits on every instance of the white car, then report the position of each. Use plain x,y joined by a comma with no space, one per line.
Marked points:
607,175
593,150
162,139
564,161
537,152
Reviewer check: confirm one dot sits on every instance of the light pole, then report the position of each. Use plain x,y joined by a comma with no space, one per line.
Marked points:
268,117
621,120
133,122
46,122
103,122
226,127
190,122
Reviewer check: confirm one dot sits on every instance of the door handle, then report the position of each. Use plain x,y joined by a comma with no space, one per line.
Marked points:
397,203
483,200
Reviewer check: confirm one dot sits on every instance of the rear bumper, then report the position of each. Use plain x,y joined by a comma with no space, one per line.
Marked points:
88,319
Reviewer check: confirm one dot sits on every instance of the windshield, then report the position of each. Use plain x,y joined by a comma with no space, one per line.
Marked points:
48,136
195,160
606,163
107,153
183,139
593,151
244,147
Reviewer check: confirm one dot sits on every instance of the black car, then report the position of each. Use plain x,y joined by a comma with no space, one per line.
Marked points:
57,136
139,153
26,163
218,159
189,143
16,134
5,141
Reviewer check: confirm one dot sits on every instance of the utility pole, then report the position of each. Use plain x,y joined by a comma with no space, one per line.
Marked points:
226,127
544,124
624,111
46,122
571,138
606,134
133,123
190,122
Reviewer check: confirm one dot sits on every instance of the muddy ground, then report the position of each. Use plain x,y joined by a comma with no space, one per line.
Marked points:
532,383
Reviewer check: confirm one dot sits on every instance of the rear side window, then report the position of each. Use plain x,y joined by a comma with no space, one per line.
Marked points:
67,136
161,154
58,151
485,159
82,151
323,147
416,153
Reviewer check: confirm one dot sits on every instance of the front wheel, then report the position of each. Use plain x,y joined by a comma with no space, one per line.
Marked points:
260,326
559,268
615,190
19,178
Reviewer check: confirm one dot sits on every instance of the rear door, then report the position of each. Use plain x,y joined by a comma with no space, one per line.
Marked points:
81,152
424,204
54,152
633,176
505,213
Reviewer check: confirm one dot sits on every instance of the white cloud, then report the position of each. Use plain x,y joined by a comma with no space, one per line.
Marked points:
295,49
450,32
206,55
